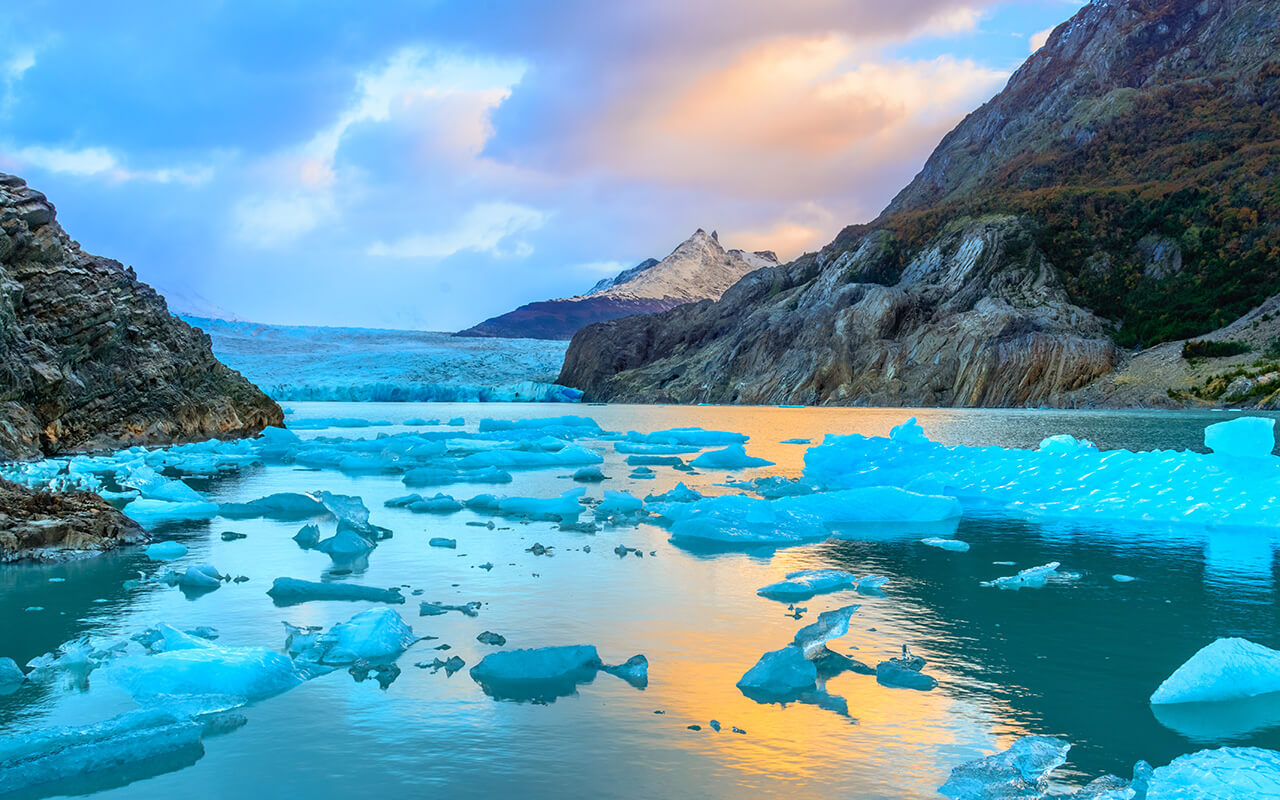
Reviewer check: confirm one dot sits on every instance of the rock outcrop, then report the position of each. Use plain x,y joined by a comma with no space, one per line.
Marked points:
90,357
51,526
699,269
1119,190
978,318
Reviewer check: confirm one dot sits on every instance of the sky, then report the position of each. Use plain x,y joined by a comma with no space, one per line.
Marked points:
427,164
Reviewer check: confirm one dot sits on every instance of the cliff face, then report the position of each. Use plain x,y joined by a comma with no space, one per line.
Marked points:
699,269
1122,188
976,319
90,357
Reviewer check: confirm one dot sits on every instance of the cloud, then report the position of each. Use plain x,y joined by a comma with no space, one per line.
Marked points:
99,162
1039,38
483,229
439,103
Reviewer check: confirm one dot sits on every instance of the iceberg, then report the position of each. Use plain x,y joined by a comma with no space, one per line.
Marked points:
248,672
688,437
282,505
38,758
1022,771
291,591
732,457
782,673
308,536
11,675
588,475
153,486
165,551
148,512
1246,437
807,583
680,494
634,670
440,504
1227,669
376,636
618,504
905,673
566,506
1228,773
345,545
655,461
1065,444
1229,488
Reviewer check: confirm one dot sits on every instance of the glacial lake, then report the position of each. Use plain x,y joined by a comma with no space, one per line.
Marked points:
1075,660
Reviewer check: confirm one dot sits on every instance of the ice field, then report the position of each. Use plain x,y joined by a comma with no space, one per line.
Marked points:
663,601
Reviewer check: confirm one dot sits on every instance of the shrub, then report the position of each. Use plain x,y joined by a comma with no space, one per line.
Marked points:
1199,348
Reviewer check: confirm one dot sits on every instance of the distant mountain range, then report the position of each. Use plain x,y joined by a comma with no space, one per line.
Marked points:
699,269
1123,190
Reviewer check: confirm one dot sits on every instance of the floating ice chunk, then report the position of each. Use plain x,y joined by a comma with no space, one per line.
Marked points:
436,609
199,578
1121,578
440,476
35,758
417,422
148,512
440,541
530,459
456,422
732,457
1031,577
1245,437
806,583
905,673
655,461
539,674
376,635
795,441
282,505
680,494
248,672
690,437
649,449
634,670
871,584
1022,771
581,425
1066,444
403,501
908,432
308,536
165,551
954,545
153,486
781,673
565,506
320,423
345,545
618,504
812,639
291,591
588,475
1227,669
440,504
11,675
1228,773
1108,787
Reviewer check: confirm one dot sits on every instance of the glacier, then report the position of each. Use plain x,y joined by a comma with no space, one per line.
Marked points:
292,363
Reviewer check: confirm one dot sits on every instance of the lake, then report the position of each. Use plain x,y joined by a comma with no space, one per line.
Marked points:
1076,660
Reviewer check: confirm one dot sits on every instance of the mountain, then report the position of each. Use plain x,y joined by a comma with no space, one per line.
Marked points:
90,357
699,269
1123,190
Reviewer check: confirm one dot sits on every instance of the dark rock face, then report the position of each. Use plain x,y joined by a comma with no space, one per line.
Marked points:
49,526
978,318
1093,200
90,358
560,319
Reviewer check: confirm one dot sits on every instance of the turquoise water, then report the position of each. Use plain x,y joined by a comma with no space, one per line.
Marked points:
1076,660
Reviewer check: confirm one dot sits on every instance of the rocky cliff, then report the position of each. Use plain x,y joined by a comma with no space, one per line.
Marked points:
90,358
1122,189
699,269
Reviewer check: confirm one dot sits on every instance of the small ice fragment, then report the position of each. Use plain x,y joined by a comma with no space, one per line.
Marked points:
440,504
617,504
732,457
489,637
905,673
375,635
909,432
680,494
1066,444
782,673
165,551
291,591
795,441
954,545
345,545
634,670
440,541
308,536
456,422
1121,578
1029,578
471,609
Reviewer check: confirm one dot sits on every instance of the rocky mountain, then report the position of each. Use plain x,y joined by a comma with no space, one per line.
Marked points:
699,269
1123,190
90,357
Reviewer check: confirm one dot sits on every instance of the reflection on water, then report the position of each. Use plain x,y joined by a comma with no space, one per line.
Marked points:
1076,660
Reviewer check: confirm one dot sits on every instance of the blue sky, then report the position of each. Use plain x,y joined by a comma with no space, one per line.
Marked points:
430,164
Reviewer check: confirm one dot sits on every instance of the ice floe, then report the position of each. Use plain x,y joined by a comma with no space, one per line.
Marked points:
1033,577
732,457
543,674
291,591
806,583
